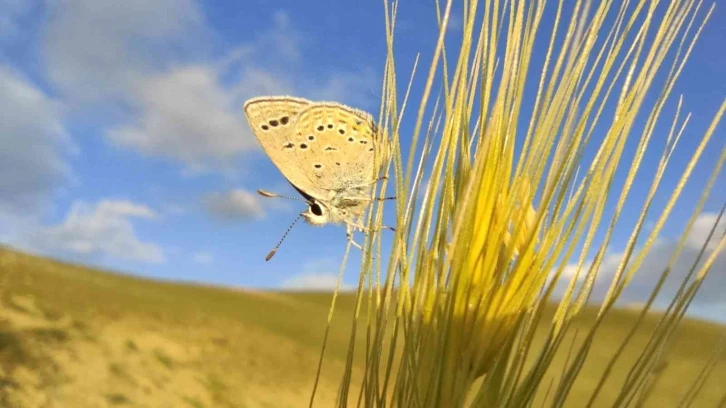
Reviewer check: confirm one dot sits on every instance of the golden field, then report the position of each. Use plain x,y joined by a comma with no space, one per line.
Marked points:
72,336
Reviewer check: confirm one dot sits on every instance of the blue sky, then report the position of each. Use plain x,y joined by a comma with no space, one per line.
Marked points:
124,144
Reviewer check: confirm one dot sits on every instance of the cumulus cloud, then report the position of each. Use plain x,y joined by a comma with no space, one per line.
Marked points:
701,229
35,145
188,115
104,229
312,281
192,112
151,60
710,296
318,274
99,49
235,204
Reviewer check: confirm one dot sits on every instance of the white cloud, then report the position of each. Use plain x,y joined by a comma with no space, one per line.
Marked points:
235,204
188,115
710,295
192,112
125,209
150,57
319,274
204,258
312,281
701,229
34,144
101,230
150,61
97,49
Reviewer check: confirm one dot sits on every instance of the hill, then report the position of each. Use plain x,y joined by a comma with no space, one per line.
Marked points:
72,336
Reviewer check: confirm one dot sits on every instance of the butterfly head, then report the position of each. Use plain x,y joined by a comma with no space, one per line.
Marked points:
316,214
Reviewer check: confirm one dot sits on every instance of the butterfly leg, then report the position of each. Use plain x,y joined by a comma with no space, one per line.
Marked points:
366,229
349,235
370,199
378,179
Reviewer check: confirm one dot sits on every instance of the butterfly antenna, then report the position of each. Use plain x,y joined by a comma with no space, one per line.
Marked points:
275,195
274,250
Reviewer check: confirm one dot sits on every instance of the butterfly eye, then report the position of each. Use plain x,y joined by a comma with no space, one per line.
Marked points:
311,137
316,209
284,120
274,123
321,128
341,131
303,146
265,127
330,125
350,139
318,166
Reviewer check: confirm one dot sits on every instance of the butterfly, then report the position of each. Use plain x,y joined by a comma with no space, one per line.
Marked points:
332,155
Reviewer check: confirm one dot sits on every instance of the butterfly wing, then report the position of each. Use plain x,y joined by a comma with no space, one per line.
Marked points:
339,148
272,119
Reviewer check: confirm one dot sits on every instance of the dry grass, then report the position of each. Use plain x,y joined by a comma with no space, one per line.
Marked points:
520,189
72,336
